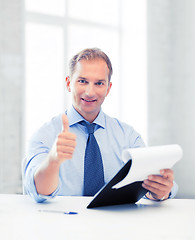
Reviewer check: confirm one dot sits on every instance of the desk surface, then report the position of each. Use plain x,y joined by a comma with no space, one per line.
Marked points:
20,218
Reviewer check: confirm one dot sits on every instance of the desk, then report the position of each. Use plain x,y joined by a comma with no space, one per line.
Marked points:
20,218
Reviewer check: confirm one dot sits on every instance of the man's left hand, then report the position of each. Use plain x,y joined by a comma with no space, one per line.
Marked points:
159,186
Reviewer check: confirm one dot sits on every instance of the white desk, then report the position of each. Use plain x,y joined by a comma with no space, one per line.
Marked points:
20,218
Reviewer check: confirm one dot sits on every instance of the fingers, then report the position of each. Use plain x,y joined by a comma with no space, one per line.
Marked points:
160,185
155,192
167,173
65,123
65,143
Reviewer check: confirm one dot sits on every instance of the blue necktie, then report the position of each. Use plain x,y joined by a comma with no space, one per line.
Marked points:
93,167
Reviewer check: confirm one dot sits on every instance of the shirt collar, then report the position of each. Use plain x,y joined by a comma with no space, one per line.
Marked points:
74,117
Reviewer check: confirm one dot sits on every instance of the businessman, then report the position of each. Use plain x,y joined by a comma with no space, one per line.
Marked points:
79,151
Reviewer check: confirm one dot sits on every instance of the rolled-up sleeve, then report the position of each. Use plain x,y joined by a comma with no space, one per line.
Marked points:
29,183
38,149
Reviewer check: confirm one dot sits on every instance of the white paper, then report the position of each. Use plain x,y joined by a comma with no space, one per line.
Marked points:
149,160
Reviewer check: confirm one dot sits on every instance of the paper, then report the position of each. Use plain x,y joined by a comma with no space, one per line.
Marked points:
149,160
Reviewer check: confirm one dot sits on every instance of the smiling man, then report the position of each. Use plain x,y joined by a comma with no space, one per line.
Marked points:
90,85
79,151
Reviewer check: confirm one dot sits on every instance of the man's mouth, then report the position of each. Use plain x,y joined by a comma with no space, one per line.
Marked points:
87,100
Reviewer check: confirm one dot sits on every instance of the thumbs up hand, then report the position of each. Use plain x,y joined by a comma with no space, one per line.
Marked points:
47,174
66,142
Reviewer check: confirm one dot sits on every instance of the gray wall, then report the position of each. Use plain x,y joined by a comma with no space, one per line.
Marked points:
11,93
171,83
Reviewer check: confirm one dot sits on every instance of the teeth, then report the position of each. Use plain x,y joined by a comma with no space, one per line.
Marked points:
88,100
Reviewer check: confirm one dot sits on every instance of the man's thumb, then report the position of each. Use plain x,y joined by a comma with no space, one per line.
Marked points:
65,123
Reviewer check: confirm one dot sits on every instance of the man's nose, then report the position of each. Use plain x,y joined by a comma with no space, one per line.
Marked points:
90,91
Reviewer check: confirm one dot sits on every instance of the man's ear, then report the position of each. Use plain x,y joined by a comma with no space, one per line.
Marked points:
68,83
109,87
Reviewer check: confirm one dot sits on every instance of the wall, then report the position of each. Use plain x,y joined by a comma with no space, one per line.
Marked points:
11,94
171,87
171,83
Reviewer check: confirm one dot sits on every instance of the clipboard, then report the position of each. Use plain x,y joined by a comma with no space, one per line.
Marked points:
126,186
130,193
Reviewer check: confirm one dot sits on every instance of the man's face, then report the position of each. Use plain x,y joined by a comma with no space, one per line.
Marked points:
89,86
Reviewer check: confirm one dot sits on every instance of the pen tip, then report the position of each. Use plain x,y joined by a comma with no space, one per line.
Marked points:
73,213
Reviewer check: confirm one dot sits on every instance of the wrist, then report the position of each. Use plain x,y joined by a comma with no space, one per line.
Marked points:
156,198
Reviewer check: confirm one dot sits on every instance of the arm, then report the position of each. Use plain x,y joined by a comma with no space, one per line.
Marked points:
47,175
159,186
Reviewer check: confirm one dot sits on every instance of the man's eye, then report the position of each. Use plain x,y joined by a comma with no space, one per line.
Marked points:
99,83
82,81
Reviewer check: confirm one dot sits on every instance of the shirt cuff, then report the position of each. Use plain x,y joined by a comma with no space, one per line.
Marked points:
174,190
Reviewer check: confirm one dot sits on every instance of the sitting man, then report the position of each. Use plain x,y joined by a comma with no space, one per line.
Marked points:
79,151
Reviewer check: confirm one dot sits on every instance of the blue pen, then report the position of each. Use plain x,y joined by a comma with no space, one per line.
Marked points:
57,211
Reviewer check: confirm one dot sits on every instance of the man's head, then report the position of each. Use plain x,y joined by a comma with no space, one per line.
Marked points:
89,54
89,82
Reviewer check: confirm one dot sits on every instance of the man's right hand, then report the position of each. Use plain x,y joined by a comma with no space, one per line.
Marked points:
47,175
66,142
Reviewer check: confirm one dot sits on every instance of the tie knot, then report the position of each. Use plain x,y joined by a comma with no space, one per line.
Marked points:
90,126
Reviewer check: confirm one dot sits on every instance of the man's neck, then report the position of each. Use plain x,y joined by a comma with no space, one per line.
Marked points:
88,117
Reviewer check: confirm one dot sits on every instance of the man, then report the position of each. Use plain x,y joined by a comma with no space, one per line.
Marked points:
56,159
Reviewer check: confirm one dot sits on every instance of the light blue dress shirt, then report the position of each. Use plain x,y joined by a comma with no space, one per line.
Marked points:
112,136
